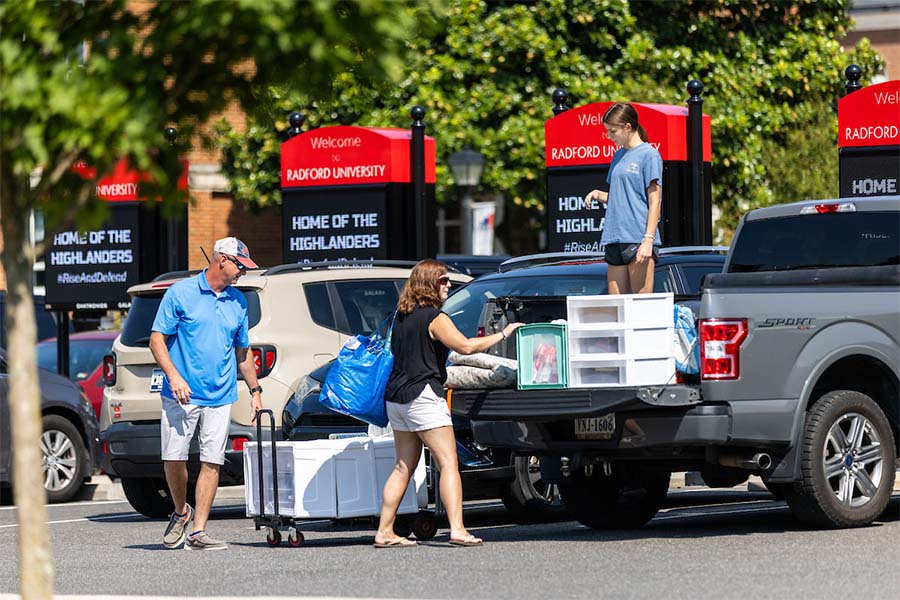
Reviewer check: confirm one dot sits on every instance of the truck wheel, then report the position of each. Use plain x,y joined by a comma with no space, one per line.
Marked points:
528,499
62,458
715,476
148,496
626,499
847,463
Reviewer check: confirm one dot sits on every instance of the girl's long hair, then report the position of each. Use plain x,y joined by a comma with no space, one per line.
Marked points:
621,113
422,288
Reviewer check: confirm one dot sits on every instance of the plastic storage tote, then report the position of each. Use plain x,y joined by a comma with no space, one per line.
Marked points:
542,350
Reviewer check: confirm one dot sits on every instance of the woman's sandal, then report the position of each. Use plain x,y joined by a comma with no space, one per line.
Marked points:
469,541
396,543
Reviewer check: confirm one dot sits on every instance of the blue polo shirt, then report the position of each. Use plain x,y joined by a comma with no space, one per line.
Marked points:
203,328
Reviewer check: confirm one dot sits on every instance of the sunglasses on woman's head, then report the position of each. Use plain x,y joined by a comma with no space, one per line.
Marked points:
444,279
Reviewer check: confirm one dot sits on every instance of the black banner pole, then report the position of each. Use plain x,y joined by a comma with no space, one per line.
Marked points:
62,343
700,227
417,173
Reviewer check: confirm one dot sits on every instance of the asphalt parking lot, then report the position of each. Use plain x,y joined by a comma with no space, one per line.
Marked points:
705,543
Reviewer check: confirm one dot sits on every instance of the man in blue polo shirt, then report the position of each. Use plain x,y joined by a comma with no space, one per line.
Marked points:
199,340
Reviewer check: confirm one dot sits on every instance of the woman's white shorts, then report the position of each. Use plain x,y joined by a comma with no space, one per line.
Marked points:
427,411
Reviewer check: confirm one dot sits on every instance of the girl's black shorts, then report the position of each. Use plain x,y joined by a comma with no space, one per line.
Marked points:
624,254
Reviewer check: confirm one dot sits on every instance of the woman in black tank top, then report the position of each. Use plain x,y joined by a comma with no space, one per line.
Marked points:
421,340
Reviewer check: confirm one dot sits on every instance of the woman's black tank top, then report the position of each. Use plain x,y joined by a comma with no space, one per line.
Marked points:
418,360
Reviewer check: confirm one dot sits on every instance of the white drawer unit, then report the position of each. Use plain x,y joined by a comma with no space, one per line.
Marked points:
622,340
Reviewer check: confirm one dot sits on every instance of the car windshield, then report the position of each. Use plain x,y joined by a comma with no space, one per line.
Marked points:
464,307
84,356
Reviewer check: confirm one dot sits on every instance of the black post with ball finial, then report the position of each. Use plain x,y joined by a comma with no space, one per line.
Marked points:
700,224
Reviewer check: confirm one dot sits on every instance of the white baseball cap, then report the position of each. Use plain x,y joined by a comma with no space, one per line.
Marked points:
236,248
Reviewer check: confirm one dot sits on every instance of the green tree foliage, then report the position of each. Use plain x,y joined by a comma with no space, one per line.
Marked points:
772,71
99,81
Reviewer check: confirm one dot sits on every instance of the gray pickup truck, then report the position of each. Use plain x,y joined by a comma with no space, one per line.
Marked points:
800,355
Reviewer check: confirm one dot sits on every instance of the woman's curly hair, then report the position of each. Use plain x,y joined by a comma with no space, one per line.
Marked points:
422,288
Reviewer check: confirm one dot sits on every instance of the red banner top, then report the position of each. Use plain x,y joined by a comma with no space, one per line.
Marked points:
870,116
577,136
348,155
122,184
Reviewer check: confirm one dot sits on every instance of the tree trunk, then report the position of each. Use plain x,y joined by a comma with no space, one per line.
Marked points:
35,561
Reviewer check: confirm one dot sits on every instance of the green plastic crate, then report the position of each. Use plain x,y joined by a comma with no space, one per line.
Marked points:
542,356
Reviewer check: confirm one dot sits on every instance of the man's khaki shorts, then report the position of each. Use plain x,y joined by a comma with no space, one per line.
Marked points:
179,421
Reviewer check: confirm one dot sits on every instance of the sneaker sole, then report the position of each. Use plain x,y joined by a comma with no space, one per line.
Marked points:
176,544
204,548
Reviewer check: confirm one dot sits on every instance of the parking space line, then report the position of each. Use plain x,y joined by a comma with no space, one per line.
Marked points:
85,503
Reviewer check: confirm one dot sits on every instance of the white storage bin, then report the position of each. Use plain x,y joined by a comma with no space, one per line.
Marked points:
355,479
416,495
657,342
596,344
285,458
328,479
650,371
593,313
597,373
649,310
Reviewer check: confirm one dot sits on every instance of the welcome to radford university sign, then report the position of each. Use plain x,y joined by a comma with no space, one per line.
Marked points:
343,189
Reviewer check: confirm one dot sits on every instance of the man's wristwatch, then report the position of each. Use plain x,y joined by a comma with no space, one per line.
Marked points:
253,390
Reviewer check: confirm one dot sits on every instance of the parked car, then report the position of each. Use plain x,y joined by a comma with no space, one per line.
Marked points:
299,317
86,352
474,264
70,441
496,472
43,319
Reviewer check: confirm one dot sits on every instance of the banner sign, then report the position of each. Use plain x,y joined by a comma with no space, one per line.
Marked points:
122,184
572,227
870,116
347,155
577,137
870,171
94,269
334,224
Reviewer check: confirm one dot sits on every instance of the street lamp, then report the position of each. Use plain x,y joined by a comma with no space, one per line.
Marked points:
466,165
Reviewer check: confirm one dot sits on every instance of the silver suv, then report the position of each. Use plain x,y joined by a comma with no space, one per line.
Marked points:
299,317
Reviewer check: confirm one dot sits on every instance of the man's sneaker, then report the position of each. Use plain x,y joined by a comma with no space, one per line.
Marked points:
176,530
201,541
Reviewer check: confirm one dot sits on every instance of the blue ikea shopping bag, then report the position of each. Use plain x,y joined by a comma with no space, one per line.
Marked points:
355,384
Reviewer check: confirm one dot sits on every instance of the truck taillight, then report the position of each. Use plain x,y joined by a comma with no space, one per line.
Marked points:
720,347
109,370
264,359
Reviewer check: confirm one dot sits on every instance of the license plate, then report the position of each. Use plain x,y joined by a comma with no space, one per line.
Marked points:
156,379
596,428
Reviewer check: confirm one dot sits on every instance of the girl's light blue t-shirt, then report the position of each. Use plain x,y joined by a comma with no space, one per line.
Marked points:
630,173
